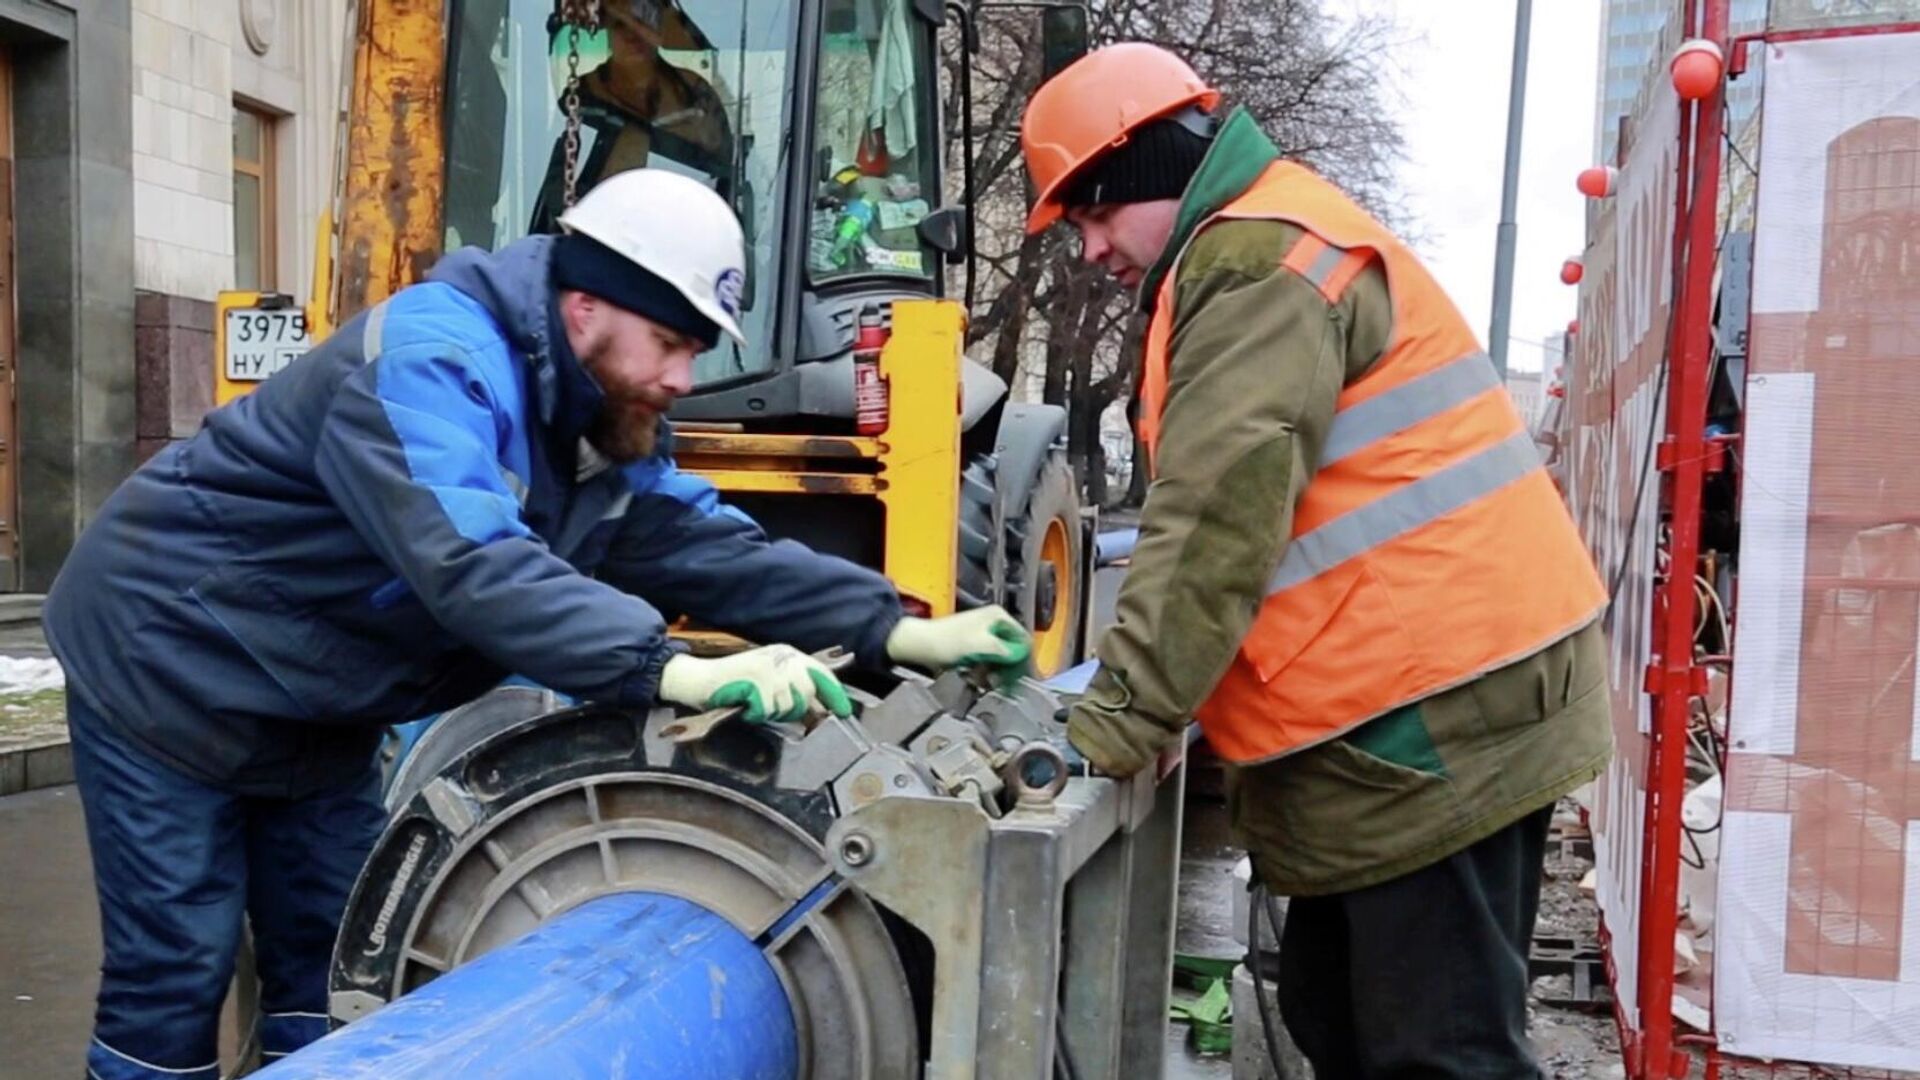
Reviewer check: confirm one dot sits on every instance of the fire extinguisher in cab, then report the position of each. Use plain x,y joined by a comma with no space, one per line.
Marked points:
870,403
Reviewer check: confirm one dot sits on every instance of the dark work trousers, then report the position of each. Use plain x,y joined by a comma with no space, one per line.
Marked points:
1423,977
178,864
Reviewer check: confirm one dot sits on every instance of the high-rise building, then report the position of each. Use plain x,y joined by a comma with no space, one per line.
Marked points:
1631,32
1553,356
1525,387
1832,14
1636,36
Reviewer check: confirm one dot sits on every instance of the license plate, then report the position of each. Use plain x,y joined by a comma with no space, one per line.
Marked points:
261,341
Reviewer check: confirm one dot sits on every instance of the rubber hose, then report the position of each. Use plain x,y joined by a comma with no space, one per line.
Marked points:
1260,901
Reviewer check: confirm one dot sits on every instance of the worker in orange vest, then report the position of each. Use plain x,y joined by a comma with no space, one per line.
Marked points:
1352,571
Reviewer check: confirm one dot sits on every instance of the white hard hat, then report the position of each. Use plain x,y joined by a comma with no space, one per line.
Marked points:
676,228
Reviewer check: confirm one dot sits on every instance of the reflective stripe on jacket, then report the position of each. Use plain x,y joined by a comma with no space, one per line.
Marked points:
1429,547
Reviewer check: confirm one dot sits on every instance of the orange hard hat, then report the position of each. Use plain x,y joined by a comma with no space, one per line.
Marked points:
1092,105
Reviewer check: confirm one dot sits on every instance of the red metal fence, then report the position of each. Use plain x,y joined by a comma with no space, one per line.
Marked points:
1801,890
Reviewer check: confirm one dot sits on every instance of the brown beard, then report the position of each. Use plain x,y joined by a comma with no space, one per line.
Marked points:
620,433
622,437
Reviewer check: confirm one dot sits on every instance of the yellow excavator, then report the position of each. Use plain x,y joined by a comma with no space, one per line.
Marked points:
852,421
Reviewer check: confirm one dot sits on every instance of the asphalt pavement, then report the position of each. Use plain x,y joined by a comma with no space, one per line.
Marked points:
49,935
49,938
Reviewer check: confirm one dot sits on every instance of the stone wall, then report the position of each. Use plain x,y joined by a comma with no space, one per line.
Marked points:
74,248
173,350
183,145
194,62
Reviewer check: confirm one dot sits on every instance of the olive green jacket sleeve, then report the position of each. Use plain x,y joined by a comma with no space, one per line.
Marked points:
1258,359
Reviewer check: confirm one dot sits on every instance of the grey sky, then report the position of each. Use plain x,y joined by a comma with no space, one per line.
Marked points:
1453,80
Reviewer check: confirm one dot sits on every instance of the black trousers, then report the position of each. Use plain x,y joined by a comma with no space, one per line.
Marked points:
1424,976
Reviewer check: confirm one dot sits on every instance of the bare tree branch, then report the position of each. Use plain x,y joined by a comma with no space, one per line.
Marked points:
1314,82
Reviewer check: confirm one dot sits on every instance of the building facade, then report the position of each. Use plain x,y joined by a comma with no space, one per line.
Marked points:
235,109
1553,358
67,318
1636,38
1525,390
1631,32
152,153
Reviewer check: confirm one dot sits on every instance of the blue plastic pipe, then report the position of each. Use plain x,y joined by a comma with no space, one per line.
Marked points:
629,986
1075,679
1115,546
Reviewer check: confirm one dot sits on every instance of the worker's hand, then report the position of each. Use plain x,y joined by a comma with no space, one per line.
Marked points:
985,636
1111,744
774,684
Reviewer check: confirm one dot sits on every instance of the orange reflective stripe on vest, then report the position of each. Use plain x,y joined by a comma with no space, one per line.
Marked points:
1428,548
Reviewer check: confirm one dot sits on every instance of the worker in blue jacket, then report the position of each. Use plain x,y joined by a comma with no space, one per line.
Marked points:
467,481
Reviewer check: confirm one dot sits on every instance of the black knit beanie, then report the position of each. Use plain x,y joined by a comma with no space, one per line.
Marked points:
1156,162
580,262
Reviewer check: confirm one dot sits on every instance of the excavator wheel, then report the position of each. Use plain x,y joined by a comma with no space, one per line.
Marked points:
975,578
1043,556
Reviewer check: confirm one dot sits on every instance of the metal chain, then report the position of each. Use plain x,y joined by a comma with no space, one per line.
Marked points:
578,15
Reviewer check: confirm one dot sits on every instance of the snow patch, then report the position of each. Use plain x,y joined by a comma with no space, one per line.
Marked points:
30,674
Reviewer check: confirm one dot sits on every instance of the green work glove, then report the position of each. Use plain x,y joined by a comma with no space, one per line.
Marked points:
774,684
985,636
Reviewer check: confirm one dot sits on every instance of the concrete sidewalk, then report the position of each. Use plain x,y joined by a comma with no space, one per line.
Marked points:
33,742
20,625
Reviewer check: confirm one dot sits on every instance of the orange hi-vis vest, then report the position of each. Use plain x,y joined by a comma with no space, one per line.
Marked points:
1428,549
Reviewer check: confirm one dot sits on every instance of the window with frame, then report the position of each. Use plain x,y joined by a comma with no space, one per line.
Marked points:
253,194
701,87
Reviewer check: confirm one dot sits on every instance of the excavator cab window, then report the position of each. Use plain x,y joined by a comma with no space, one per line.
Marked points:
872,143
701,87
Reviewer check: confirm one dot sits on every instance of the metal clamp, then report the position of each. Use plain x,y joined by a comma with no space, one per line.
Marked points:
1037,774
